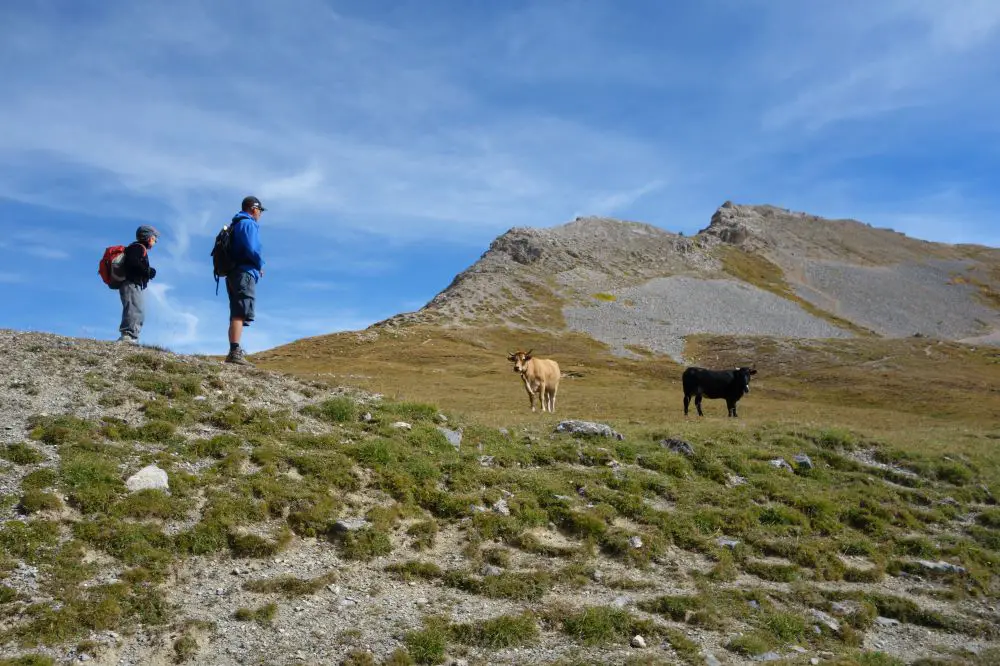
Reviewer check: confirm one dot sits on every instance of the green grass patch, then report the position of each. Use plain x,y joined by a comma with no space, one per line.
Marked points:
21,453
93,482
340,409
499,632
290,586
364,544
34,501
263,615
423,534
416,569
603,625
427,646
519,586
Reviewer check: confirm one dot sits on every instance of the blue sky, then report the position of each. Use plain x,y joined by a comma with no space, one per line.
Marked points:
393,140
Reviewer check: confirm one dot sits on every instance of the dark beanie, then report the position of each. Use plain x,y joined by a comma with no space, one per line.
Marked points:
145,232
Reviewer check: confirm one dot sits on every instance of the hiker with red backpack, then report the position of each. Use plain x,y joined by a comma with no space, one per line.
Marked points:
127,270
236,256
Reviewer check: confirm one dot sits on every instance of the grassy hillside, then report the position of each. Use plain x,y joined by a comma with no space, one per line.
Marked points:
519,545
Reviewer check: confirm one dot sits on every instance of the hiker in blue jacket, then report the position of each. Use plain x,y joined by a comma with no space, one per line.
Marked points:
241,283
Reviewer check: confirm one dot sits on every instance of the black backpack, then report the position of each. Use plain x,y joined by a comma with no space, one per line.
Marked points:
222,254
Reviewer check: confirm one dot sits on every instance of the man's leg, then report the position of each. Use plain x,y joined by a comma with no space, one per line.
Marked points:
132,313
240,288
235,330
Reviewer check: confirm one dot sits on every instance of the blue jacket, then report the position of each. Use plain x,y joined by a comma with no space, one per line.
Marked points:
245,248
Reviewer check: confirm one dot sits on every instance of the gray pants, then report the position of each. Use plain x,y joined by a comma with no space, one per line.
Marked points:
132,311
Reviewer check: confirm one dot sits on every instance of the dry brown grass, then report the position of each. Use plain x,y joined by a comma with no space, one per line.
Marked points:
913,389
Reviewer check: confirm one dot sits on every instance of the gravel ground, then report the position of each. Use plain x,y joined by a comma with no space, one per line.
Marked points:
657,315
921,298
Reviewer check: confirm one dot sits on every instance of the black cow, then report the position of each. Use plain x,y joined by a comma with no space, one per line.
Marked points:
728,384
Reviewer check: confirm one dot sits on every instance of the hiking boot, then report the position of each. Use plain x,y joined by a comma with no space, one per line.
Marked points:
128,339
237,356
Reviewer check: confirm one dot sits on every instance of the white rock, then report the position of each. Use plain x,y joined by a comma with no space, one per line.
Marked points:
150,477
814,661
500,506
635,542
402,425
638,641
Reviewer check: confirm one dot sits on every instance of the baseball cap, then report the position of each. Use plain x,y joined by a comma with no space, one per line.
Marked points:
251,202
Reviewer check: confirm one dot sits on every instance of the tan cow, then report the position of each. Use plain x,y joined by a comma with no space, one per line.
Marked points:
540,377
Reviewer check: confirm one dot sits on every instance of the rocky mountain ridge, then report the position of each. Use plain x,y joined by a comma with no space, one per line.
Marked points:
621,281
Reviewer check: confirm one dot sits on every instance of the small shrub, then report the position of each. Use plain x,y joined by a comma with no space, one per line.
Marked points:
156,431
219,446
34,501
416,569
427,646
312,517
93,482
39,479
499,632
28,660
423,533
60,430
7,595
252,545
781,573
989,518
499,557
365,544
358,658
21,454
599,625
263,616
519,586
399,657
785,627
290,586
150,503
341,409
749,645
411,412
953,473
185,649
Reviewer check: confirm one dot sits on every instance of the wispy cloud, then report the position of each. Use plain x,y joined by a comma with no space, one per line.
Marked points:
912,55
178,324
44,252
12,278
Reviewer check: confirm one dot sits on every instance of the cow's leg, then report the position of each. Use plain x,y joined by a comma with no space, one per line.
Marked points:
687,401
552,404
531,397
697,403
542,401
731,404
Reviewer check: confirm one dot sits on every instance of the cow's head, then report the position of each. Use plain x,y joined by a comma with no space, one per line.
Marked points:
520,360
744,376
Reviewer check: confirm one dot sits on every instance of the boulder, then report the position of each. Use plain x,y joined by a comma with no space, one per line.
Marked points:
454,437
588,429
678,446
150,477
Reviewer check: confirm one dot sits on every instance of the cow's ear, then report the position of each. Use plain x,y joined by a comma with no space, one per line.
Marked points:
510,356
752,371
527,354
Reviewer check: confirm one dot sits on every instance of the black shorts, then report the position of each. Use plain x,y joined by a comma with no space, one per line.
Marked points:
242,290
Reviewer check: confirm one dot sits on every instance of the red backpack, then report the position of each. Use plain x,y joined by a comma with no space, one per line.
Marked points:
111,268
